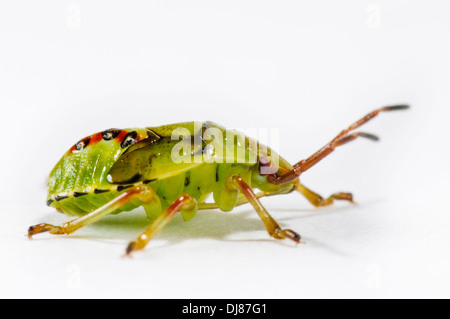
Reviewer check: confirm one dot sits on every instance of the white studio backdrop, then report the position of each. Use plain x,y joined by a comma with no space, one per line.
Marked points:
302,69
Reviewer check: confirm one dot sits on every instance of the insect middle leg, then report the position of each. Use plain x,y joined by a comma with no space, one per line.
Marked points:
184,202
342,138
272,226
143,192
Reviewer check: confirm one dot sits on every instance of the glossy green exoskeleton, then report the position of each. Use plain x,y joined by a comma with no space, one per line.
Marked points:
173,168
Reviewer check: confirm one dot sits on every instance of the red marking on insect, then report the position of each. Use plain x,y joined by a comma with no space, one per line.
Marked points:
89,140
122,135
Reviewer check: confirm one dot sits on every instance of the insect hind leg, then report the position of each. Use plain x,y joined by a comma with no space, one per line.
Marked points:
143,192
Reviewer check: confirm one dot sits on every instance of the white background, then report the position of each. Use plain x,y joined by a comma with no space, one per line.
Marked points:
307,69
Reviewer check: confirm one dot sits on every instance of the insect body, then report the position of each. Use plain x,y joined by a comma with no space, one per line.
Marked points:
119,170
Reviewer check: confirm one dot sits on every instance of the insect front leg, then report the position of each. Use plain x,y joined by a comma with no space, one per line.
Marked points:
319,201
143,192
184,202
272,226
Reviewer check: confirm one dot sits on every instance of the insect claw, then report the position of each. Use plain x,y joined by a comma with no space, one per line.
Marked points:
36,229
30,233
128,251
43,228
133,246
290,234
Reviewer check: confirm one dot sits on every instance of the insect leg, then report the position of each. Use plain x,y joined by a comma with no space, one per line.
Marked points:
272,226
143,192
184,202
342,138
319,201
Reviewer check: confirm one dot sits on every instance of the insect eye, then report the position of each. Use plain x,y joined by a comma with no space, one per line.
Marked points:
82,144
129,139
110,134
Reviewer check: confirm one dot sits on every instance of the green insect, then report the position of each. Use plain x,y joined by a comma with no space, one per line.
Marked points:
173,168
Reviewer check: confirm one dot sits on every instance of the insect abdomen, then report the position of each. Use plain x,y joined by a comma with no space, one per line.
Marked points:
201,182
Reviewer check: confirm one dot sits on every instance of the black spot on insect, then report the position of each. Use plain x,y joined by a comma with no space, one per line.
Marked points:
78,194
131,180
187,181
129,139
99,191
110,134
83,143
121,188
198,188
149,181
58,198
164,197
217,174
49,202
